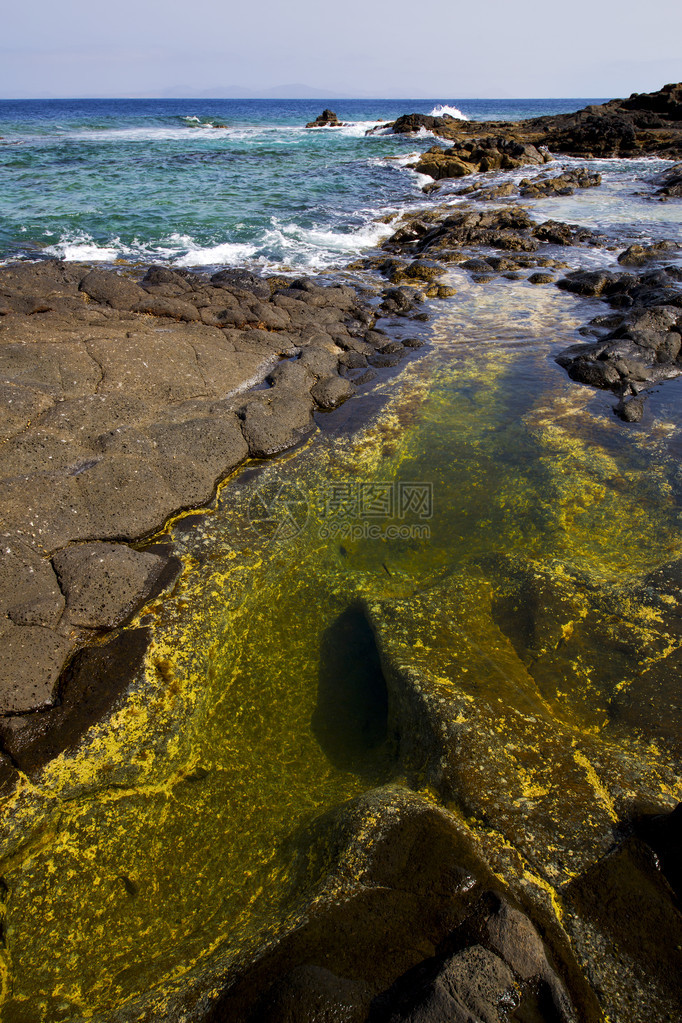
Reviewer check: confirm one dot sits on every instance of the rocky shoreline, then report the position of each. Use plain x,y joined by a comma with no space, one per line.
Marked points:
126,403
648,124
129,397
638,346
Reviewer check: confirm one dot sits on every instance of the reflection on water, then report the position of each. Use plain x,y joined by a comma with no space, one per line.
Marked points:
165,846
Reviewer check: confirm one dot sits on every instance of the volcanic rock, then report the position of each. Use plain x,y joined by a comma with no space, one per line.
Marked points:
327,119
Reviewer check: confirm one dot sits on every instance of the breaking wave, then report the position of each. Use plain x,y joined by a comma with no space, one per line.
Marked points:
443,109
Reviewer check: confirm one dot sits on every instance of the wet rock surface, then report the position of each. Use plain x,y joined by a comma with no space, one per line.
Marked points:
425,245
543,186
642,346
671,183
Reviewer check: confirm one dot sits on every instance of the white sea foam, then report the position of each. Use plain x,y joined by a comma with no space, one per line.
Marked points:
280,246
285,245
357,129
82,247
443,108
228,253
146,134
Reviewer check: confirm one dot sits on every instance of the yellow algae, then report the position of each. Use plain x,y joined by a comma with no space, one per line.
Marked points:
597,785
170,833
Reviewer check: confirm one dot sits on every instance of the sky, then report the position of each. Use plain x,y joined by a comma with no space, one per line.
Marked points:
367,48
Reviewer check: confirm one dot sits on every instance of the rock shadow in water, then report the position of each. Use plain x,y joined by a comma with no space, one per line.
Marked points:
351,717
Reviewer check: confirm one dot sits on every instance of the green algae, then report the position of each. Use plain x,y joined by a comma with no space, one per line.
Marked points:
165,848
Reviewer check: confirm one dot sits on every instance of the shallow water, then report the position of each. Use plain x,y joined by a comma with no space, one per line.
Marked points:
168,844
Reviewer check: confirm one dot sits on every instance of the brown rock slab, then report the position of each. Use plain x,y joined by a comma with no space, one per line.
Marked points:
29,591
275,423
31,660
104,582
214,445
112,289
332,391
89,688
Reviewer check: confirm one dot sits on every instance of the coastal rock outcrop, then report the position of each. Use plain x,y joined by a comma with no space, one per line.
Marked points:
410,123
671,182
327,119
638,348
543,185
482,154
644,123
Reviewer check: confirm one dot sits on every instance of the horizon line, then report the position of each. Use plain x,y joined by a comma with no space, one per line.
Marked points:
310,99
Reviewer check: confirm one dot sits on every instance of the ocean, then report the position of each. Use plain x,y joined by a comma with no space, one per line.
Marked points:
213,182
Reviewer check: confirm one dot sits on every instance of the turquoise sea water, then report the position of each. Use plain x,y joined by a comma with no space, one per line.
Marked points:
164,180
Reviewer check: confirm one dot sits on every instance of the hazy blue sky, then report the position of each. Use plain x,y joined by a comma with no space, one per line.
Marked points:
403,48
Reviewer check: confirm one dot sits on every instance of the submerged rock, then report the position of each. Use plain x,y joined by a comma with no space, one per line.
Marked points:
403,924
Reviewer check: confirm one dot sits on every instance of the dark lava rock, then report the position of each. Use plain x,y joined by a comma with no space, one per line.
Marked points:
31,661
500,968
400,301
413,930
588,282
29,589
88,690
409,123
671,182
554,232
541,278
630,411
502,191
112,289
640,255
242,279
560,184
646,124
327,119
310,992
481,154
275,422
507,229
645,345
474,984
331,391
104,582
628,911
596,135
